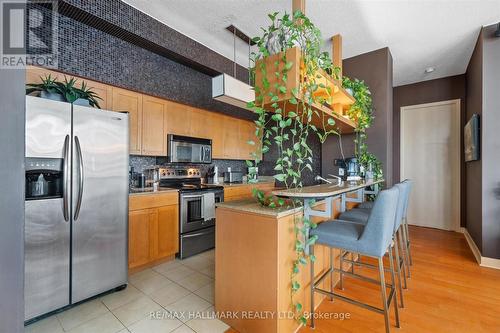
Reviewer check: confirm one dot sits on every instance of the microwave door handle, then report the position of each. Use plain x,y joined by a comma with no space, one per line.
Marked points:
66,179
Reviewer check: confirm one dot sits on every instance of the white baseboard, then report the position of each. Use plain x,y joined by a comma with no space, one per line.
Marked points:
482,261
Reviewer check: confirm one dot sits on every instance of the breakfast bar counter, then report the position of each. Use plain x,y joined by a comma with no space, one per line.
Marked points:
255,252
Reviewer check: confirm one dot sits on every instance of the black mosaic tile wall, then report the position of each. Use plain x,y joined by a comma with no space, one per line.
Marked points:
91,46
267,166
94,54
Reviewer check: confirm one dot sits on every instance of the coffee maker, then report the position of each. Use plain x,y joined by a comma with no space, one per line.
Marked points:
349,168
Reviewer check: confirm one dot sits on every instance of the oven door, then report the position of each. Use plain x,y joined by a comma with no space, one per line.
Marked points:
193,211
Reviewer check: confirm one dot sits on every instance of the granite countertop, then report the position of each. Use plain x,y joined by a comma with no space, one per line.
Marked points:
252,206
150,190
325,190
261,180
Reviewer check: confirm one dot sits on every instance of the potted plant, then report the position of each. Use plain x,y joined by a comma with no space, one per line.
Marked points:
66,91
87,96
48,88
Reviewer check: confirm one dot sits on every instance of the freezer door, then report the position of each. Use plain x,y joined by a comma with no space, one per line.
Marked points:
100,201
47,234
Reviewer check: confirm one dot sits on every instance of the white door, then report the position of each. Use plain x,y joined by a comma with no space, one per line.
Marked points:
430,156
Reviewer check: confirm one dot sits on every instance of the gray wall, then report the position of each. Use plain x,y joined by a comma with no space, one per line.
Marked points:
473,170
12,200
491,144
375,68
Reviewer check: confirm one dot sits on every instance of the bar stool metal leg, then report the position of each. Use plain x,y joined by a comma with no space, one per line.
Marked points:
311,251
402,262
404,254
383,292
404,246
332,282
407,231
341,281
398,270
393,289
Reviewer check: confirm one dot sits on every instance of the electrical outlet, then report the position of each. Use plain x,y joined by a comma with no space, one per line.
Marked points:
341,172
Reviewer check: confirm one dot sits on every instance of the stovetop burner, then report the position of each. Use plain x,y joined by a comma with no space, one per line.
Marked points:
184,179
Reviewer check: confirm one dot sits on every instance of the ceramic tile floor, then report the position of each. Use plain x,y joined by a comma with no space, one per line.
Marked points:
184,288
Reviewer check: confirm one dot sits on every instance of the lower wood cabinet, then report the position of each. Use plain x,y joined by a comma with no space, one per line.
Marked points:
153,228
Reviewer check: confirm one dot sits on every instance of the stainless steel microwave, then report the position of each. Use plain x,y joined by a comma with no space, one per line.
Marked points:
185,149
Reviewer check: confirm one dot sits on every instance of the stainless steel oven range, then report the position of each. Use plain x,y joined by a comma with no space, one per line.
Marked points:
196,208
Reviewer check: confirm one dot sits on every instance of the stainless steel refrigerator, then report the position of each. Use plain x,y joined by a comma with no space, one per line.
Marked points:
76,226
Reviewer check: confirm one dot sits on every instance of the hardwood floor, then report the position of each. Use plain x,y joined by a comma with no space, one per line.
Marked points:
447,292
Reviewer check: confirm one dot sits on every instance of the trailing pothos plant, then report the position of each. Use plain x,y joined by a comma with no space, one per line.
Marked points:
286,124
362,112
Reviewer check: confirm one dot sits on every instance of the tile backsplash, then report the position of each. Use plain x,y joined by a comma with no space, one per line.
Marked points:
139,163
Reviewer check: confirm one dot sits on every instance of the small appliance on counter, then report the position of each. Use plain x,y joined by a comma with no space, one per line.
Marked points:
349,168
233,176
213,175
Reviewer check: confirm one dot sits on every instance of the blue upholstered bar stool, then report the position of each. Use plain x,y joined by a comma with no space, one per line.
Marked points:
362,215
372,240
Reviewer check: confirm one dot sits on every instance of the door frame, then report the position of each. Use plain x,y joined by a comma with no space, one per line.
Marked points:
457,122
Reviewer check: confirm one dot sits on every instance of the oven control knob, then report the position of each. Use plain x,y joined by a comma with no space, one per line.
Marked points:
190,173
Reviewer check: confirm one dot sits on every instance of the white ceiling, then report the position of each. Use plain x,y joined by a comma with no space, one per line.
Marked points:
419,33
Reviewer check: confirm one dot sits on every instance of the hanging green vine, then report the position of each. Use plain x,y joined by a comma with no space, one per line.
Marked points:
288,123
362,112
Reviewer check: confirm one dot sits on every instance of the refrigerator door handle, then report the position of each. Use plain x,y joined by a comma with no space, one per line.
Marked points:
80,177
66,179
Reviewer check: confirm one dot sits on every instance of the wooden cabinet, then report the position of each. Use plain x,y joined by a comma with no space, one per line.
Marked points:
178,119
246,134
167,241
125,100
154,139
199,123
239,192
153,228
231,143
139,225
216,126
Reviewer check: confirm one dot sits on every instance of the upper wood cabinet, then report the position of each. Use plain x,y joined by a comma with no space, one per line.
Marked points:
178,119
216,127
246,134
131,102
200,120
154,139
232,144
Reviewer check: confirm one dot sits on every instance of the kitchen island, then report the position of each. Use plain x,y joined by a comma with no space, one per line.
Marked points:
255,250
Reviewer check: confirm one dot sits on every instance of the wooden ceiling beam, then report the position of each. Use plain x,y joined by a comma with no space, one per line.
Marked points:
299,5
337,53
